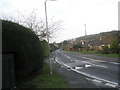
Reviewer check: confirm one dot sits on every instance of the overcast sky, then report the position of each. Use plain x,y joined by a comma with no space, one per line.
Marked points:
98,15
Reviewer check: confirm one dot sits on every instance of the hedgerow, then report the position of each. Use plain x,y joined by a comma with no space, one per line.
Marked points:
26,47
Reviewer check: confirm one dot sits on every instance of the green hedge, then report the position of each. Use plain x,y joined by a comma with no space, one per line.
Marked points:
25,46
44,46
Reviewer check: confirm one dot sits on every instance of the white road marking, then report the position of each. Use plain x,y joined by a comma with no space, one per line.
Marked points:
94,59
98,81
111,85
88,75
86,65
87,62
101,66
89,79
65,55
114,63
57,60
78,67
100,60
95,64
76,60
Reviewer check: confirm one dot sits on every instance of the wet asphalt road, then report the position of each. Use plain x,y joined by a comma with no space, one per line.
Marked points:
100,73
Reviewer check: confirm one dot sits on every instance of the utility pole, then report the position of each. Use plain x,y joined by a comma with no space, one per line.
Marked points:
47,37
85,31
45,3
85,37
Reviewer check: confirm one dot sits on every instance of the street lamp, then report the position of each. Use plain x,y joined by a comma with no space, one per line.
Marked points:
47,34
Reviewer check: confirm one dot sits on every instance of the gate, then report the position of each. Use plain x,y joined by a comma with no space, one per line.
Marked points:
8,72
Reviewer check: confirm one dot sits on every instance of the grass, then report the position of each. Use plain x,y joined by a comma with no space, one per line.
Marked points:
104,55
86,52
45,80
110,55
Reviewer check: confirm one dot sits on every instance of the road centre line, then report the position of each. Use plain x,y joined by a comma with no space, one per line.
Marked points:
101,66
65,55
114,63
94,59
95,64
100,60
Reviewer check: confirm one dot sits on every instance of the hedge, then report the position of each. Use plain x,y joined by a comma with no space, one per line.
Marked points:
25,45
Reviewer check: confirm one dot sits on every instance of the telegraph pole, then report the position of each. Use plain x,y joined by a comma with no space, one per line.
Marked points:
85,37
85,31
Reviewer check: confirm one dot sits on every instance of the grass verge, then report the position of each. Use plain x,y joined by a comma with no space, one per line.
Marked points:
94,52
110,55
45,80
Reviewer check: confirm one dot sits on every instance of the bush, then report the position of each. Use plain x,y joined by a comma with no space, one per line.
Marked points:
44,46
25,46
115,48
106,50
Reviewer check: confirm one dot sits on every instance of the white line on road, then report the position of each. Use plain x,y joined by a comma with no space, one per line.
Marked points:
98,81
111,85
76,60
57,60
114,63
87,62
86,65
100,60
95,64
88,75
94,59
101,66
67,56
78,67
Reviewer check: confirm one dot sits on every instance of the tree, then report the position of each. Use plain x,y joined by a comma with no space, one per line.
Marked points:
106,50
38,25
77,46
32,21
115,48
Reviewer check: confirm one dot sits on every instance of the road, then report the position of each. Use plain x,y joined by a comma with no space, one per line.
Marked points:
99,72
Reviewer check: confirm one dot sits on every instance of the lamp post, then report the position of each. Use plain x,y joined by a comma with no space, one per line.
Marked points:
48,34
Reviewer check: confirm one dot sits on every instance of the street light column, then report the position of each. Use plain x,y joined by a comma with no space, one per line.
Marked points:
47,37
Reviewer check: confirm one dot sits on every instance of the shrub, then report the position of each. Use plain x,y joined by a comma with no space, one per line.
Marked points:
106,50
115,48
44,46
25,46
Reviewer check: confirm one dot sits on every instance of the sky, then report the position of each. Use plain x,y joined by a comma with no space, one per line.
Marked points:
98,15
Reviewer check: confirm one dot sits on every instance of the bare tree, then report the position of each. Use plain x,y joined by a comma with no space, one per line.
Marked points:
32,21
38,25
